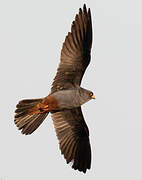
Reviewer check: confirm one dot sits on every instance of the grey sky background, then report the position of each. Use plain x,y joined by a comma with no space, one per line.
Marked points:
31,37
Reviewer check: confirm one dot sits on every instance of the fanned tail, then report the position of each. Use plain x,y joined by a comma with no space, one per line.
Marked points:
28,117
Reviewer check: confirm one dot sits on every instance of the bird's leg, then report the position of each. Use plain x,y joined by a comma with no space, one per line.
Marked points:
39,109
43,107
48,104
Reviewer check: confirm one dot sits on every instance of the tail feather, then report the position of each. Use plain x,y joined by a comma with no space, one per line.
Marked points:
26,121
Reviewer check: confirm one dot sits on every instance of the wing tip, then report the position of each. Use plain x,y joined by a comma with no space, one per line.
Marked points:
84,10
84,6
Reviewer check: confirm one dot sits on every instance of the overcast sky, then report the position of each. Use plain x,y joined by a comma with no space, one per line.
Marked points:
31,37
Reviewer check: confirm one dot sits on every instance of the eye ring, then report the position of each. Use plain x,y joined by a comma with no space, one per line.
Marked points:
91,94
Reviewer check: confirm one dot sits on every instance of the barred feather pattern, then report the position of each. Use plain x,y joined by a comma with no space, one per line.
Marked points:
25,121
73,136
75,53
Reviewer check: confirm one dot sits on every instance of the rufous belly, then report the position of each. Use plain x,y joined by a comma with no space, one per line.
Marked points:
48,104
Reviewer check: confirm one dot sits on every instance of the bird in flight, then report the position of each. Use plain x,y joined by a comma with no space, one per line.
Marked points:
66,97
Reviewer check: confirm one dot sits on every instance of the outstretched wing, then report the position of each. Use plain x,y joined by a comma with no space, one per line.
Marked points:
75,53
73,136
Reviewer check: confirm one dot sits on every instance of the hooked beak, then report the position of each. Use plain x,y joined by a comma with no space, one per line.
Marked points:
93,97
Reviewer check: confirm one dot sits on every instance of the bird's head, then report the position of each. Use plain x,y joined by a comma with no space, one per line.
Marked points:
91,95
85,95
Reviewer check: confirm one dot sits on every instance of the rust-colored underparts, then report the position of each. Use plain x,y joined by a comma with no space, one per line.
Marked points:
48,104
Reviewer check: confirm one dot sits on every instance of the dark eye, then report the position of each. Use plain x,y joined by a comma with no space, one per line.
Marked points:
90,94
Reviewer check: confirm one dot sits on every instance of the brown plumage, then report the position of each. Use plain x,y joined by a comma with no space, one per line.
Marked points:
26,121
66,97
75,53
73,136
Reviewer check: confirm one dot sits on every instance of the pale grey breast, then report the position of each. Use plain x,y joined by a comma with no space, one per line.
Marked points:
67,99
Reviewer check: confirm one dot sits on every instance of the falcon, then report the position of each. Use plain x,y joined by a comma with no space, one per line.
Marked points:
66,97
